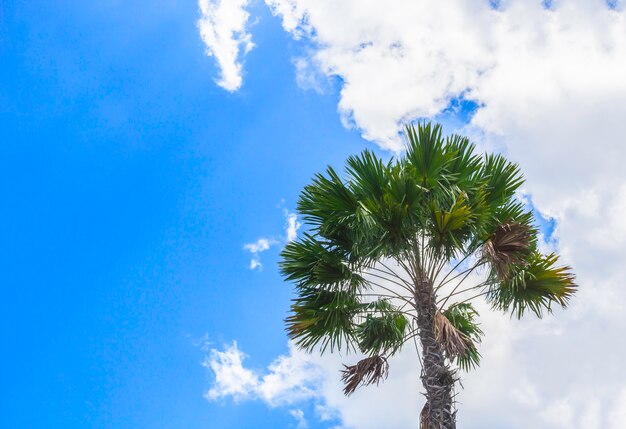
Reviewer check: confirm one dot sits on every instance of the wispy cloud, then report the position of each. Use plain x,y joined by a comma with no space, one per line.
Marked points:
223,27
298,414
256,248
292,225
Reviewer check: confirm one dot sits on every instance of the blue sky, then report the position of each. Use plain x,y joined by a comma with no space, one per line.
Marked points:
131,182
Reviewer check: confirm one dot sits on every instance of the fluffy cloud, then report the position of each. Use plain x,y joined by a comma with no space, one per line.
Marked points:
291,379
298,377
231,378
223,29
548,77
550,84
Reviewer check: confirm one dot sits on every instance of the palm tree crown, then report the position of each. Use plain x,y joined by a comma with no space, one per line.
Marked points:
422,235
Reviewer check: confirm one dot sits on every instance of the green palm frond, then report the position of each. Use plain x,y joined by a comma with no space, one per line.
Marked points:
325,318
427,157
450,227
326,199
464,164
535,286
309,262
502,179
367,176
383,332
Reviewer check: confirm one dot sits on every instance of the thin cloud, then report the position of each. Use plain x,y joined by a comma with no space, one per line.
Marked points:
256,248
223,27
292,227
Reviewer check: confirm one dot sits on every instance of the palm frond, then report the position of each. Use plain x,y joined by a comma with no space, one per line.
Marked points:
453,340
427,156
509,245
451,227
464,164
326,199
382,333
461,316
502,179
367,371
310,262
536,286
323,317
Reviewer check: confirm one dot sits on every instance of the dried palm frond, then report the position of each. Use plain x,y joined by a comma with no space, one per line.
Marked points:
508,245
454,342
367,371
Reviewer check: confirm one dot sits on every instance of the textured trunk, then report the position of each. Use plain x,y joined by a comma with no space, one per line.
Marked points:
437,378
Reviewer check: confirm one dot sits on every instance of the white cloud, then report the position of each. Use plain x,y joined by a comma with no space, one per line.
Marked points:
292,227
259,246
223,29
617,416
231,378
553,98
255,263
299,416
552,92
290,379
308,75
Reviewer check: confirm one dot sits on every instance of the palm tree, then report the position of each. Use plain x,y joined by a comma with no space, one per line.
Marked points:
398,252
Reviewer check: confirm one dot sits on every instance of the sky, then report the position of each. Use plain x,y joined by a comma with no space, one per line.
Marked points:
151,156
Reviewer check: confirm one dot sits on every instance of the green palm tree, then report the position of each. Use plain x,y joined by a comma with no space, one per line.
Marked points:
398,251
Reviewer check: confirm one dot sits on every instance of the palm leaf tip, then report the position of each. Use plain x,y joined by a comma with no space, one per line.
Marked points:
507,246
367,371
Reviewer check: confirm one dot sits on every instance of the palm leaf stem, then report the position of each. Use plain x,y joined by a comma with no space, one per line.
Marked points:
461,282
392,274
414,333
395,294
443,281
417,352
485,283
411,303
367,273
398,297
466,272
475,296
411,272
436,267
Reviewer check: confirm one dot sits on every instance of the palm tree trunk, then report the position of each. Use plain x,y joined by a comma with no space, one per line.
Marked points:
437,378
